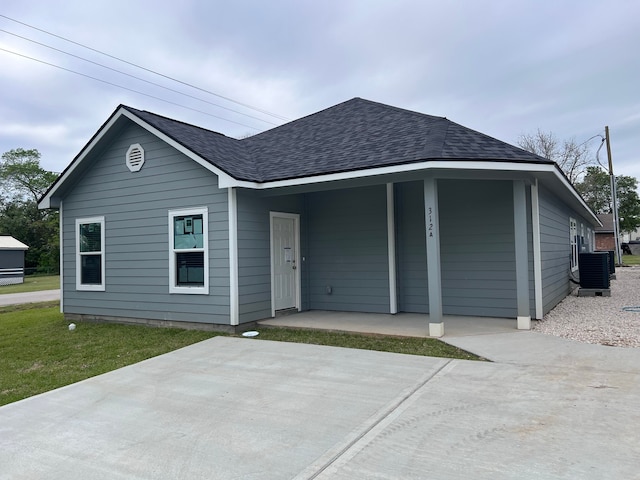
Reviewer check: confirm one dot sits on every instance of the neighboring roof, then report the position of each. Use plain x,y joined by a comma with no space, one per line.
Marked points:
607,223
9,243
354,135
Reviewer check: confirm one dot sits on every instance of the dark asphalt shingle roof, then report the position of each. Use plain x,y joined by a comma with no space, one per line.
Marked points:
354,135
219,150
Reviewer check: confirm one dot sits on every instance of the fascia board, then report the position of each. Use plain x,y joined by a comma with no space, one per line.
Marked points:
577,196
414,167
411,167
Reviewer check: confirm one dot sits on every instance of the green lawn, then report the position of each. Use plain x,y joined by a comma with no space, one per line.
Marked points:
38,352
33,283
409,345
631,259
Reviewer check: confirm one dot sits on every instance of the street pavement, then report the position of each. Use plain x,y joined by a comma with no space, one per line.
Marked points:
29,297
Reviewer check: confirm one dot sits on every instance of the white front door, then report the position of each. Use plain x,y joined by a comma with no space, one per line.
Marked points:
284,261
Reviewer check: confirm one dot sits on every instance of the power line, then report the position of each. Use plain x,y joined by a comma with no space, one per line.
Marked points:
591,138
125,88
133,76
603,139
246,105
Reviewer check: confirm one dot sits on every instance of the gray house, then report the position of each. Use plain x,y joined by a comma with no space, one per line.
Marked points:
11,260
360,207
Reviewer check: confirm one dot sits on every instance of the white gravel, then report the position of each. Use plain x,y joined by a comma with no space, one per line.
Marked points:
600,320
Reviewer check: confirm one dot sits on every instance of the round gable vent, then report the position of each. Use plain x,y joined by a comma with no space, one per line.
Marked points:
135,157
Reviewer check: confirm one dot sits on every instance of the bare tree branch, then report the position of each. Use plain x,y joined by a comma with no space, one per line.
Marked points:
573,159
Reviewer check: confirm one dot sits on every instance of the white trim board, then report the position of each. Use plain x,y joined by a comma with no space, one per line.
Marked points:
429,165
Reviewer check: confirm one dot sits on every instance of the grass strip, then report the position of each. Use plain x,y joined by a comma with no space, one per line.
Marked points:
408,345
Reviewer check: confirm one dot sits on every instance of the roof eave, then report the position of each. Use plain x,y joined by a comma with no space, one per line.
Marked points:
488,165
427,164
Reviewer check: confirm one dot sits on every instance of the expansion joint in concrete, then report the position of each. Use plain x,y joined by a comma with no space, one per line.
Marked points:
335,454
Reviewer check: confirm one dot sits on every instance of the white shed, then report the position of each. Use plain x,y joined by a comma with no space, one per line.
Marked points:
11,260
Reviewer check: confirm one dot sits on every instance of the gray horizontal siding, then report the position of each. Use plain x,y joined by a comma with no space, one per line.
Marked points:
347,250
411,253
135,207
254,255
477,248
555,249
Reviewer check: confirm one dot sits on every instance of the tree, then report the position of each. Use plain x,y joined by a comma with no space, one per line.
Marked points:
596,191
22,175
22,182
572,158
37,229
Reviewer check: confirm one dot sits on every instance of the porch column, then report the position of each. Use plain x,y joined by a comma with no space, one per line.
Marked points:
233,257
61,241
537,249
391,250
436,322
522,258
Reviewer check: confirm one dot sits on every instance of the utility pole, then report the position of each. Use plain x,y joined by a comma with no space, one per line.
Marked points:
614,198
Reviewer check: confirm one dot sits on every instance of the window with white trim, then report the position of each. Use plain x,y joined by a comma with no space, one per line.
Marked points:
90,268
573,237
189,251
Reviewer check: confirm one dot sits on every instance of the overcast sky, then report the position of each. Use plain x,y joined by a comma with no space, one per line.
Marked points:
502,67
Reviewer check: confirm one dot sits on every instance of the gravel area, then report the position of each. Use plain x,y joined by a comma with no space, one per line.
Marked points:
600,320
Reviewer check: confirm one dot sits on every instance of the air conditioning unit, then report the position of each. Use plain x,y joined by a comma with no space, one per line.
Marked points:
612,261
594,270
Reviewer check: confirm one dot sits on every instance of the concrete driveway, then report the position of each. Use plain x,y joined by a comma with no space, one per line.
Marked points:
245,408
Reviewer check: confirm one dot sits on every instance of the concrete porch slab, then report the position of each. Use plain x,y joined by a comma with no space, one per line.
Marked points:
401,324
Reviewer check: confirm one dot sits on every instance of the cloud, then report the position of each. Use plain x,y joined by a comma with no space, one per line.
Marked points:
500,67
